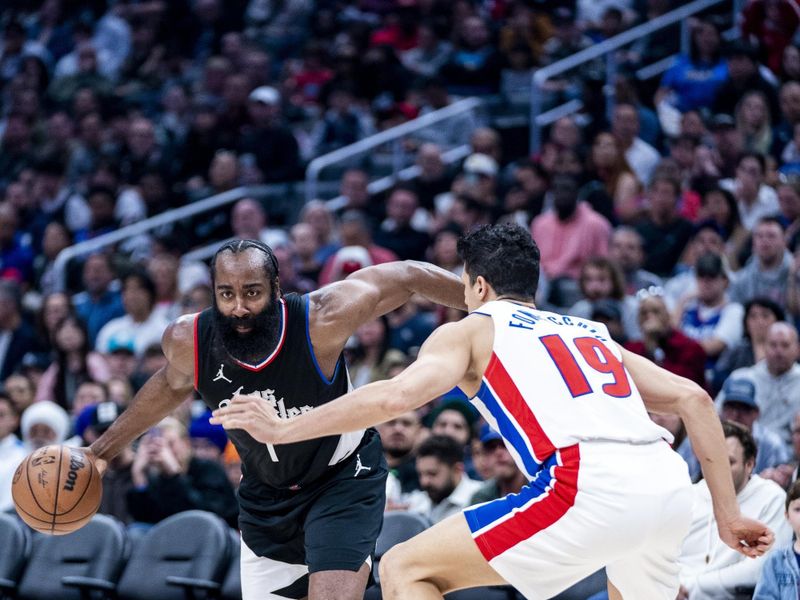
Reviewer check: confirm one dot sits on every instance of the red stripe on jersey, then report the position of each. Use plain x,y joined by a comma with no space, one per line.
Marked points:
510,397
541,514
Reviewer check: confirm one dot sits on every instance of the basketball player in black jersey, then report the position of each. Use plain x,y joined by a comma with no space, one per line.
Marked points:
309,512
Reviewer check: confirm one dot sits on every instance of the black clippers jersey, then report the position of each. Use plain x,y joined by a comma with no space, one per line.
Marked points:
288,379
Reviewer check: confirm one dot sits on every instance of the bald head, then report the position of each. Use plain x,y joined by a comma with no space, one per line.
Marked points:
782,349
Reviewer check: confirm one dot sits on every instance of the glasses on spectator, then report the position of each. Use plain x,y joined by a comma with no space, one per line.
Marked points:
653,290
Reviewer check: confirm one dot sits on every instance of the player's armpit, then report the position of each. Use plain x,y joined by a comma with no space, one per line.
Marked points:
340,308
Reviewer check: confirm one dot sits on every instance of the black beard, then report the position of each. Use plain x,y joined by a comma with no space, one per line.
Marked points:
256,343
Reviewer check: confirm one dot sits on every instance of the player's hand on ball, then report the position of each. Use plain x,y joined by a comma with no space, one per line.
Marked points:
253,415
748,536
100,464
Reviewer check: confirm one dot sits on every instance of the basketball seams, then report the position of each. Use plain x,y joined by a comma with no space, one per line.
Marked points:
30,487
85,489
58,485
52,522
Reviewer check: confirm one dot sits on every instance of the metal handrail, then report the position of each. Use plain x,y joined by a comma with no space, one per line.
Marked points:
176,214
605,48
395,133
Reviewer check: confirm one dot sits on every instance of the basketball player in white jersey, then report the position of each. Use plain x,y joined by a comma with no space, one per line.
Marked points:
605,489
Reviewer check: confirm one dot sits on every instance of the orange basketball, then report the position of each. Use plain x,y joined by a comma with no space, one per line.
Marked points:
56,490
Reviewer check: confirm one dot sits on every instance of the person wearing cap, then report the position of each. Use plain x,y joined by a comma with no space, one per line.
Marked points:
777,380
739,405
710,318
445,486
506,476
354,231
569,233
268,138
768,271
45,423
208,441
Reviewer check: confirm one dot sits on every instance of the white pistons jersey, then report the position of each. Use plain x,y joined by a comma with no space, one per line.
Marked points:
554,381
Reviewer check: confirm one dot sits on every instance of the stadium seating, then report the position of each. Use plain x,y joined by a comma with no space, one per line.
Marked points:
14,553
186,555
65,567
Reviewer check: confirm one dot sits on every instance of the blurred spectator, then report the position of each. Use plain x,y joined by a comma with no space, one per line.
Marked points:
56,198
410,327
455,419
693,81
141,324
434,178
789,99
570,233
740,407
711,318
664,232
744,76
626,250
759,315
370,357
306,246
719,208
474,66
400,437
665,345
342,124
445,488
397,232
17,336
506,477
613,190
754,121
16,253
249,222
268,139
55,238
20,390
767,272
168,479
786,474
754,197
771,24
353,193
709,568
12,451
316,215
354,231
163,270
641,157
429,55
74,363
777,380
44,423
779,575
609,313
208,441
601,281
101,301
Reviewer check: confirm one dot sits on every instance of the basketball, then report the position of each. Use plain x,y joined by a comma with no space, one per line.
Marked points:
56,490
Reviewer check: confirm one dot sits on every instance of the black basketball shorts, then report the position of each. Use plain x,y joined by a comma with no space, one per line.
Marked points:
331,525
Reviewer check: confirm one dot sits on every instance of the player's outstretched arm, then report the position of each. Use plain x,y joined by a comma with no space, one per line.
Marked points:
444,361
341,307
665,392
159,396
